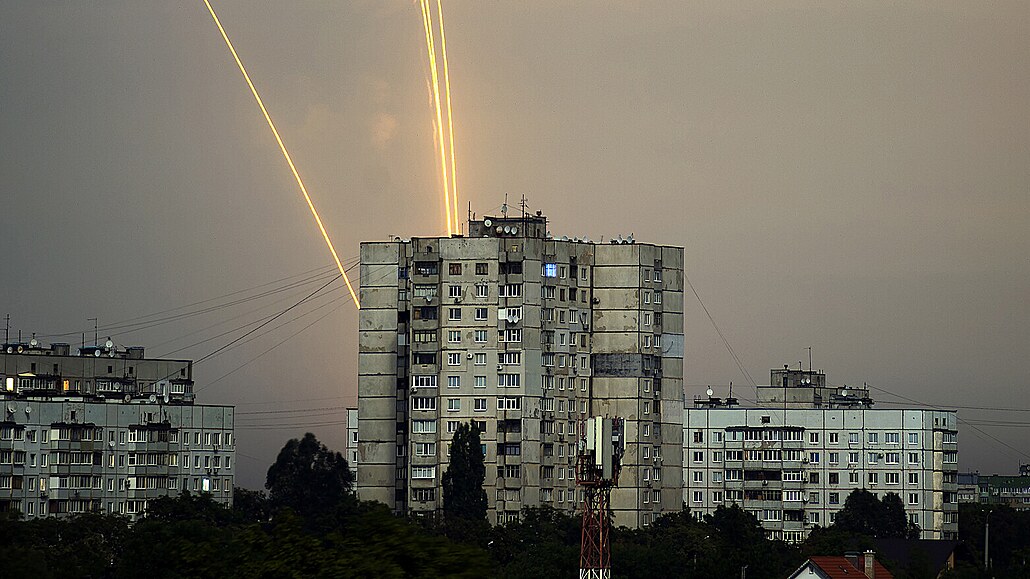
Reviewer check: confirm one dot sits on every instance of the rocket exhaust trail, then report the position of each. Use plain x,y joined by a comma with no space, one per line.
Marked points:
444,142
286,155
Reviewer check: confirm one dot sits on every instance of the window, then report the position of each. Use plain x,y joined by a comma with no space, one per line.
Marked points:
834,478
454,314
454,336
479,404
510,335
512,403
852,438
893,458
550,270
508,380
418,382
813,437
913,438
480,359
482,290
697,496
874,478
454,291
454,381
417,403
873,458
511,290
482,268
481,336
913,478
834,438
423,472
913,498
891,438
699,477
424,291
813,457
479,382
913,458
509,358
423,426
424,336
699,456
454,269
874,438
891,478
453,404
452,426
833,498
425,449
454,358
834,457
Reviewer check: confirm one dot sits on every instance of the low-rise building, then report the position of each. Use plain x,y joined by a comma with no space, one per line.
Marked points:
794,466
106,430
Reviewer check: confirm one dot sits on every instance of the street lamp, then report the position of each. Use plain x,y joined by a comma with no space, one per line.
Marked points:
987,536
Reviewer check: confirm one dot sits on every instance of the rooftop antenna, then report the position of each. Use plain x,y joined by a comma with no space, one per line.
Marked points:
809,358
7,329
504,206
96,334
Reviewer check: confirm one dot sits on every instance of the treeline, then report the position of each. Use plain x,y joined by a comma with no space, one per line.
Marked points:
310,524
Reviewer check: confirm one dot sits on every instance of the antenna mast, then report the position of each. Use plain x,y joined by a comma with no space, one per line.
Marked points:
601,446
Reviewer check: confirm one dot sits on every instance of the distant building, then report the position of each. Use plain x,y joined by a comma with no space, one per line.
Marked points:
105,430
1009,490
525,335
793,466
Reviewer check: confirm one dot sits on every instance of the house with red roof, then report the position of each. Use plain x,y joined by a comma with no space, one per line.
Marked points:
864,566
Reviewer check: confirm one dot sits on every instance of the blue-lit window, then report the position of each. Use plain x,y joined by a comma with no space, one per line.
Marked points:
550,270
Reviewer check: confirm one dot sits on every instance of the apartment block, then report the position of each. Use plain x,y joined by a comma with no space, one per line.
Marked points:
106,430
525,335
794,466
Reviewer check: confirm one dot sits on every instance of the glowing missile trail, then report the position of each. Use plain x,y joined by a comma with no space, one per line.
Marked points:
286,155
450,123
445,143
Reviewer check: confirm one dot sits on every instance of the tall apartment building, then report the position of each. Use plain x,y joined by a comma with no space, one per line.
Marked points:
105,430
793,465
525,335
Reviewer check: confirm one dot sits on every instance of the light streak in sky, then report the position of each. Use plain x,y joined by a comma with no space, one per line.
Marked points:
286,155
445,143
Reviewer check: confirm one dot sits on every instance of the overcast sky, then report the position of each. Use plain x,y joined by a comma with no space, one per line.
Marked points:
851,176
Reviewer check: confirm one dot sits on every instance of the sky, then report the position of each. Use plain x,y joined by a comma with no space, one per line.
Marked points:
848,176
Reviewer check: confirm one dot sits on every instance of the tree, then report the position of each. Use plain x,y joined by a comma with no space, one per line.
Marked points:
864,514
308,477
463,494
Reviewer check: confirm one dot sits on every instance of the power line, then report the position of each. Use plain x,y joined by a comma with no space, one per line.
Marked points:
740,365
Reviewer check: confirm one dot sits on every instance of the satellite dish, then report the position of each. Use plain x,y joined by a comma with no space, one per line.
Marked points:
710,391
514,230
166,398
21,349
96,352
28,410
152,398
34,342
564,237
128,398
11,408
507,229
109,344
10,350
499,230
487,222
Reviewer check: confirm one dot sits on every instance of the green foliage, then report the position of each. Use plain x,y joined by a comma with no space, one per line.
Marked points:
864,514
463,494
308,477
543,543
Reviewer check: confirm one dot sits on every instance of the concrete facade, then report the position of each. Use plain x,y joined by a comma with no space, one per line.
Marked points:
525,335
105,433
794,467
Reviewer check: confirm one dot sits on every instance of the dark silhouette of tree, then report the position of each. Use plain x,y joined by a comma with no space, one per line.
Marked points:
463,494
864,514
250,506
308,477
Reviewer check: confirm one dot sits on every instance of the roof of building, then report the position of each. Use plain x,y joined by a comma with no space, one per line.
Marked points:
839,567
903,552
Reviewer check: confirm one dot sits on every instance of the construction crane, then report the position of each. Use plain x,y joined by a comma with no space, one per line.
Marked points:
601,446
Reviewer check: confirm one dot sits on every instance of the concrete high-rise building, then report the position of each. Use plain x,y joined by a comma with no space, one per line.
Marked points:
793,459
525,335
106,430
